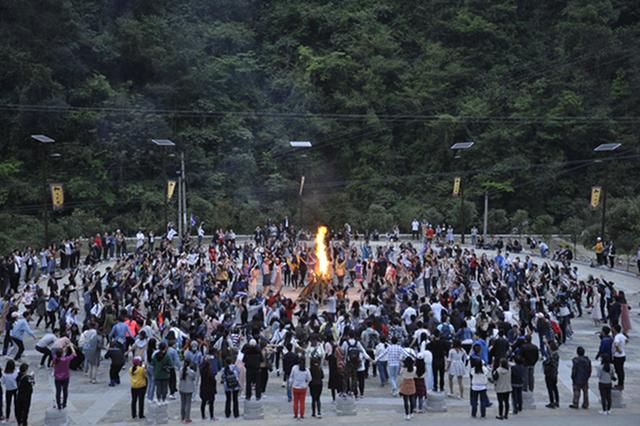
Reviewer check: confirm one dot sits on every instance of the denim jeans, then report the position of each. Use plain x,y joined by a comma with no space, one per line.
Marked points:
151,386
393,377
382,372
474,402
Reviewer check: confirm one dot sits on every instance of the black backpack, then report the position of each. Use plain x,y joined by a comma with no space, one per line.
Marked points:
230,378
353,354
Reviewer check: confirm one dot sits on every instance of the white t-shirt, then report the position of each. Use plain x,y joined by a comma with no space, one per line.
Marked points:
415,225
437,311
618,345
406,315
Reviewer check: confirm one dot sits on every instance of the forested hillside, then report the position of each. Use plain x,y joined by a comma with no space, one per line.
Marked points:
382,88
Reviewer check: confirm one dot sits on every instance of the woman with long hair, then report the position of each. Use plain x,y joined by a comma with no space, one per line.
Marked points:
605,378
408,387
207,386
502,382
456,366
478,387
151,386
299,379
186,388
10,383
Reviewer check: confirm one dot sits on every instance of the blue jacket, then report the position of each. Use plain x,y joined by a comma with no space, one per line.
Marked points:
20,328
606,344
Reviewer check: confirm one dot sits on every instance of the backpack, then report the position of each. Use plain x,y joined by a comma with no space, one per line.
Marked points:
446,332
230,378
353,354
374,339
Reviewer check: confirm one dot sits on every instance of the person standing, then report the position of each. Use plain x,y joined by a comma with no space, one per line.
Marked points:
415,229
231,382
61,375
439,349
580,373
162,366
25,391
605,378
10,383
186,388
530,355
315,386
517,382
619,355
502,381
252,359
456,362
408,387
208,369
550,369
298,380
138,375
478,387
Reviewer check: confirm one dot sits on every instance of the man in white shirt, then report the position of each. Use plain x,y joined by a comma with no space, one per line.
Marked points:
437,309
407,314
619,354
415,228
139,240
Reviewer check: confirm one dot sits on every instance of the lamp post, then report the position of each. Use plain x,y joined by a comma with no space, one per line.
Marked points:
45,141
458,148
164,144
301,145
605,147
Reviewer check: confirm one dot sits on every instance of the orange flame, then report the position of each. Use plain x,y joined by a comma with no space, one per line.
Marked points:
321,252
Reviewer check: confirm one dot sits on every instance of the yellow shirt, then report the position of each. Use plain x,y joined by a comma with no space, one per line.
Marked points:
138,378
599,247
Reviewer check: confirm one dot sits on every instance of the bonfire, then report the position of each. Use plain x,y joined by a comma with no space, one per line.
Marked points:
321,276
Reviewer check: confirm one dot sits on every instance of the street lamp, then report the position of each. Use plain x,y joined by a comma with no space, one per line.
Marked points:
45,141
164,144
605,147
457,149
301,145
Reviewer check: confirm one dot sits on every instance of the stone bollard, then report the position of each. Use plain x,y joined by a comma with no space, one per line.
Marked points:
436,402
55,417
253,410
157,413
346,406
617,399
528,401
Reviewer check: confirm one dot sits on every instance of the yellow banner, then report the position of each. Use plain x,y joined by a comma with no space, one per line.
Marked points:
596,192
456,186
57,195
171,186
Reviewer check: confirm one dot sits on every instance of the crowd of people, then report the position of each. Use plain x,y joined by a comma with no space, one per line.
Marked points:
182,318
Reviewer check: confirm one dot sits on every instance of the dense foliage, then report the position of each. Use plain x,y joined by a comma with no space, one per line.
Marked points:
382,88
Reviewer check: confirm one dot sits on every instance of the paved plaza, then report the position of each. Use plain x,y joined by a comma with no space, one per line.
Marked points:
100,404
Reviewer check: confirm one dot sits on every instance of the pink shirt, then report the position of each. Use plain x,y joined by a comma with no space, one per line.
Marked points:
61,366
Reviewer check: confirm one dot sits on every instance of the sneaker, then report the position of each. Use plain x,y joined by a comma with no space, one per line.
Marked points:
550,406
575,407
407,417
601,412
608,412
319,415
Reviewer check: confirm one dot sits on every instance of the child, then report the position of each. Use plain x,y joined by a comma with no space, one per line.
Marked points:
23,398
408,387
605,377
